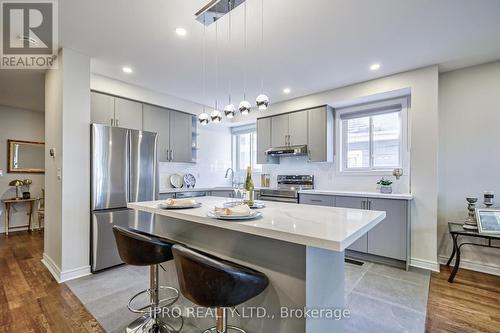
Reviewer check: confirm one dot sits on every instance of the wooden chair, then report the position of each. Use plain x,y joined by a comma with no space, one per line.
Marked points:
41,209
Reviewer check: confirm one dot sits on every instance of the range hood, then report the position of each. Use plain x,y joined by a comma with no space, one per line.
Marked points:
287,151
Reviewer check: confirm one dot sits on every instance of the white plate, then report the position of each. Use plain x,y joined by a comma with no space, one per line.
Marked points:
176,180
256,204
165,206
253,215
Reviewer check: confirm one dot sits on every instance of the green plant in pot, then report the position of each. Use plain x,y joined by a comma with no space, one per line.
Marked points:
385,185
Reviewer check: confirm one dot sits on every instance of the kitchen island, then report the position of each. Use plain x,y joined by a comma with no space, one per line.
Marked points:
299,247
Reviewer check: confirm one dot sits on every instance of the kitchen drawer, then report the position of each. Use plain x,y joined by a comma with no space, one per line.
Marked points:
222,193
318,200
165,196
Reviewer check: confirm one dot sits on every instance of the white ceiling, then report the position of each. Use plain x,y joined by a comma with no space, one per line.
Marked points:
310,46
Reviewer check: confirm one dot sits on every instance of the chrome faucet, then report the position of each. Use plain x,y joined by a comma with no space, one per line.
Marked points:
232,175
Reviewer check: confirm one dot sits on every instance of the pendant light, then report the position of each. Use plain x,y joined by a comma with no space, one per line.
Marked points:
216,115
229,109
262,101
245,106
204,118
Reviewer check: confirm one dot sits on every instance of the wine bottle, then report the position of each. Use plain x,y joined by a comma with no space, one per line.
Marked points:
249,189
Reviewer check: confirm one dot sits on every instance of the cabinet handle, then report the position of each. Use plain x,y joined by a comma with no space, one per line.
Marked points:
369,204
316,200
112,122
363,204
171,155
117,121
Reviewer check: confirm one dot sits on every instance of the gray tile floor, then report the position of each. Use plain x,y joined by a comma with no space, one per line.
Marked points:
381,298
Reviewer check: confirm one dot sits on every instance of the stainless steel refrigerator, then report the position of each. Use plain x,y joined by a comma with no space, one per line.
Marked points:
123,170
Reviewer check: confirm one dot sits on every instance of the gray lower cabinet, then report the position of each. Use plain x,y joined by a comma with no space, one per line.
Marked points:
389,237
128,114
156,119
222,193
165,196
318,200
361,245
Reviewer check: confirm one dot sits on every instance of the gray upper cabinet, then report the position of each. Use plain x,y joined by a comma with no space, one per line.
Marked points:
156,119
181,137
320,139
128,114
102,109
115,111
279,130
388,238
297,128
361,245
263,139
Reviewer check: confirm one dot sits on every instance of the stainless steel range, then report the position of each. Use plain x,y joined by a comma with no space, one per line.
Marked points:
288,188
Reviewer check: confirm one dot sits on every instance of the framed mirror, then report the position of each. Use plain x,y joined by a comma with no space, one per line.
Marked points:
25,156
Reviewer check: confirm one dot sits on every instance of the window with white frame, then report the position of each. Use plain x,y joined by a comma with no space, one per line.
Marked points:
244,140
373,136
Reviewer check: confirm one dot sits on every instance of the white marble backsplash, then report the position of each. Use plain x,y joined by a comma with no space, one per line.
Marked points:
327,178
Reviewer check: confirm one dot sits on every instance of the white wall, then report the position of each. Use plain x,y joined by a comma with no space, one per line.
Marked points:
423,118
67,233
469,158
214,157
214,141
19,124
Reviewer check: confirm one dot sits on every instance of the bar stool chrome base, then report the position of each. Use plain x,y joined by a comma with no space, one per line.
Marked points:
162,303
222,326
148,324
228,328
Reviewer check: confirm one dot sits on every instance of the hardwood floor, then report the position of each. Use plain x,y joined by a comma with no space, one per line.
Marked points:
30,299
470,304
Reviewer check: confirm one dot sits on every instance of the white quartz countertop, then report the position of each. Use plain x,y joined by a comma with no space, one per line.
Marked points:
323,227
360,194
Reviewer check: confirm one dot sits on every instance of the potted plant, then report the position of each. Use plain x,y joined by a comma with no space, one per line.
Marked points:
385,185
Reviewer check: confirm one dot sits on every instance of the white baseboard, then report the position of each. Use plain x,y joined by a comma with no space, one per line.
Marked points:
473,266
52,267
425,264
75,273
67,275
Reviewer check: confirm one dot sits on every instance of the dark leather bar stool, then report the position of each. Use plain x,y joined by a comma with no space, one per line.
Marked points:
138,249
212,282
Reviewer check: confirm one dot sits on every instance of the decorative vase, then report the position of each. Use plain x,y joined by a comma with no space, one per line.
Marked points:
386,189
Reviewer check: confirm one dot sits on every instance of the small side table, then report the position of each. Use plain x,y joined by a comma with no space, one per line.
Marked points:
456,230
8,203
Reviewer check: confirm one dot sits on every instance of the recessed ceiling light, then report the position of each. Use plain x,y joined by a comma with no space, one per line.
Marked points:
375,67
181,32
286,90
127,70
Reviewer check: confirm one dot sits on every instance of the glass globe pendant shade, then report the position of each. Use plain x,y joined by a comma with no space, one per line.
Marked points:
203,118
216,116
229,111
262,101
244,107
